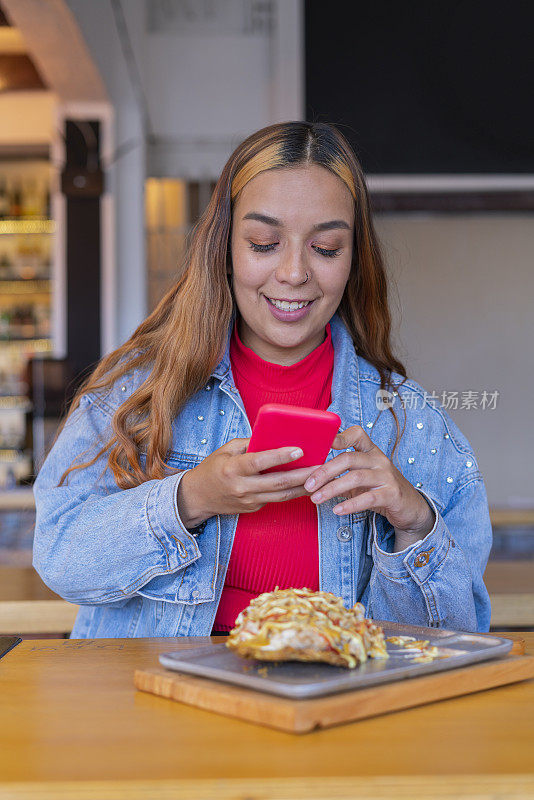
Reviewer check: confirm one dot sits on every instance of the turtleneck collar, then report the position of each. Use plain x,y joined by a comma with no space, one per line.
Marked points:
275,377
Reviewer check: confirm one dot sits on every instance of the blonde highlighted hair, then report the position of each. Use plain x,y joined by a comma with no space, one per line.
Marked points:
181,344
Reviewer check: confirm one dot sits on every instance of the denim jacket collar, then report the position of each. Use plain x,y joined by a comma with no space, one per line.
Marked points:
346,398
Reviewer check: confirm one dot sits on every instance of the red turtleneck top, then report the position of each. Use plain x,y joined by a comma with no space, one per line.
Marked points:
277,545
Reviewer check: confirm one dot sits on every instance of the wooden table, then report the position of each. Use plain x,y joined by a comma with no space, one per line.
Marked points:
73,726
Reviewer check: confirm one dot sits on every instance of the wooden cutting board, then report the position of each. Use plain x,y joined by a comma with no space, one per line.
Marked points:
302,716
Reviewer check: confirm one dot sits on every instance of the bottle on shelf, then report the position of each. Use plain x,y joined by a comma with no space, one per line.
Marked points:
42,320
28,257
27,322
11,480
21,322
15,209
10,375
12,427
6,267
13,381
47,210
31,201
5,320
4,199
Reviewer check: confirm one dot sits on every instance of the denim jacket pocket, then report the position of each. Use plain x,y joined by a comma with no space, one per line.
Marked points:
179,461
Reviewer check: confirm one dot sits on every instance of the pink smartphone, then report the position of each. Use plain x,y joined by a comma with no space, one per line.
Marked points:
278,425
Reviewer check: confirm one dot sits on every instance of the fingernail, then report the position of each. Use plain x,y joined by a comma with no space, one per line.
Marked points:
310,483
338,509
316,497
298,453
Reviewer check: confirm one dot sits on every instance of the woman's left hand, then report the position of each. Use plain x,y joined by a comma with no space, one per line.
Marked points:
371,482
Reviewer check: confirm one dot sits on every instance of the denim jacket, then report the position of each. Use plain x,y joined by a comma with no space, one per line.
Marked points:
126,558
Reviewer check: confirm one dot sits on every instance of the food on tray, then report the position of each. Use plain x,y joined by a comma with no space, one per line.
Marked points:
400,640
427,652
301,625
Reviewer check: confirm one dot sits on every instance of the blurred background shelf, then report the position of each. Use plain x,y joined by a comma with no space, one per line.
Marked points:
19,499
16,227
28,251
26,345
25,286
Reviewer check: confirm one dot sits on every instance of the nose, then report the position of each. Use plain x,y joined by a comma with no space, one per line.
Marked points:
292,267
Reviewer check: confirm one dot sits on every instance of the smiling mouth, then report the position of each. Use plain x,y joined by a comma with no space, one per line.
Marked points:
289,305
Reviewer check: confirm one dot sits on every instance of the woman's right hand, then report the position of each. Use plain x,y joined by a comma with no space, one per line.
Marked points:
229,481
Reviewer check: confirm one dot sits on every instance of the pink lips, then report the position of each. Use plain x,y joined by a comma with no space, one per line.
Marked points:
288,316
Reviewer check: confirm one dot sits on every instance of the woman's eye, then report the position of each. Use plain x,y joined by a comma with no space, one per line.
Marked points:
262,248
327,253
266,248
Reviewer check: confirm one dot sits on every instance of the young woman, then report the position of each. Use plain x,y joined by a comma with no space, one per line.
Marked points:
151,514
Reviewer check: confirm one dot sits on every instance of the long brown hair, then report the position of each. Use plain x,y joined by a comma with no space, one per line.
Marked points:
179,340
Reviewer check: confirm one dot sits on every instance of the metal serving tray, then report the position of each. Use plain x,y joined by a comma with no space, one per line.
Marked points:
302,680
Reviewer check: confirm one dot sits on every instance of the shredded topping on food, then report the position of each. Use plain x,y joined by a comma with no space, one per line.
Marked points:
301,625
424,659
427,652
400,640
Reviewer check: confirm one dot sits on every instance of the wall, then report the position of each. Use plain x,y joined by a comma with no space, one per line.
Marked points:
27,117
466,286
215,79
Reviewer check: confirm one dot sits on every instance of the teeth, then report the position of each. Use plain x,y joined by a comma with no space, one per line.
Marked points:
285,306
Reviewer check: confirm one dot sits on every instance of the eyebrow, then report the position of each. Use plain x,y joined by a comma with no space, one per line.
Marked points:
276,223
